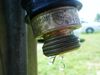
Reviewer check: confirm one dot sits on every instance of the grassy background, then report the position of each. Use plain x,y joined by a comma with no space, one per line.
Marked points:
84,61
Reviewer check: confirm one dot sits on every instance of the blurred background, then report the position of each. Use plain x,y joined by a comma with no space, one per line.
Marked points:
84,61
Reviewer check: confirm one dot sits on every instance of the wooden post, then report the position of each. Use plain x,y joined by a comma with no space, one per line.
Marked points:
32,54
18,55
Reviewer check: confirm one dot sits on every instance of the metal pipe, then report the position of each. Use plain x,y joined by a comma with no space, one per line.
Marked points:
3,40
16,55
16,38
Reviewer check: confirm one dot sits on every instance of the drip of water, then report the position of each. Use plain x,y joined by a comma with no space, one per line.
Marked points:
51,60
60,65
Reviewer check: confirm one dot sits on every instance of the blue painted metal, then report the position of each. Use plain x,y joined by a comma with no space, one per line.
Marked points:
34,7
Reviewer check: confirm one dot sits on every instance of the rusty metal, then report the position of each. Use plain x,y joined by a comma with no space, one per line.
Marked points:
56,27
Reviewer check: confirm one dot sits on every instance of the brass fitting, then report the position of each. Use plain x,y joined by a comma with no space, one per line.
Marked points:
56,27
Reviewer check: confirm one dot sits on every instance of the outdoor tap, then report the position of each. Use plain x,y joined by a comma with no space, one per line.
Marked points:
54,21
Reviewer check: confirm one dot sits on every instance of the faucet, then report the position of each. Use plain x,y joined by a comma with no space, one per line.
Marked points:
55,22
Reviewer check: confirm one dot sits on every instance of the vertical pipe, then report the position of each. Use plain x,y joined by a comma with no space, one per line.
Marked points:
16,57
18,61
3,40
16,38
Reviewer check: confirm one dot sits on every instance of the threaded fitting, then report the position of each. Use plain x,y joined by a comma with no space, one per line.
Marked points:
56,27
55,44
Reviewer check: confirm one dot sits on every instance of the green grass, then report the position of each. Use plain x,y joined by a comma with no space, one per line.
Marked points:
84,61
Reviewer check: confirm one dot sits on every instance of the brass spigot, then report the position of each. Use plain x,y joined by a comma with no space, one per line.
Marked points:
56,26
